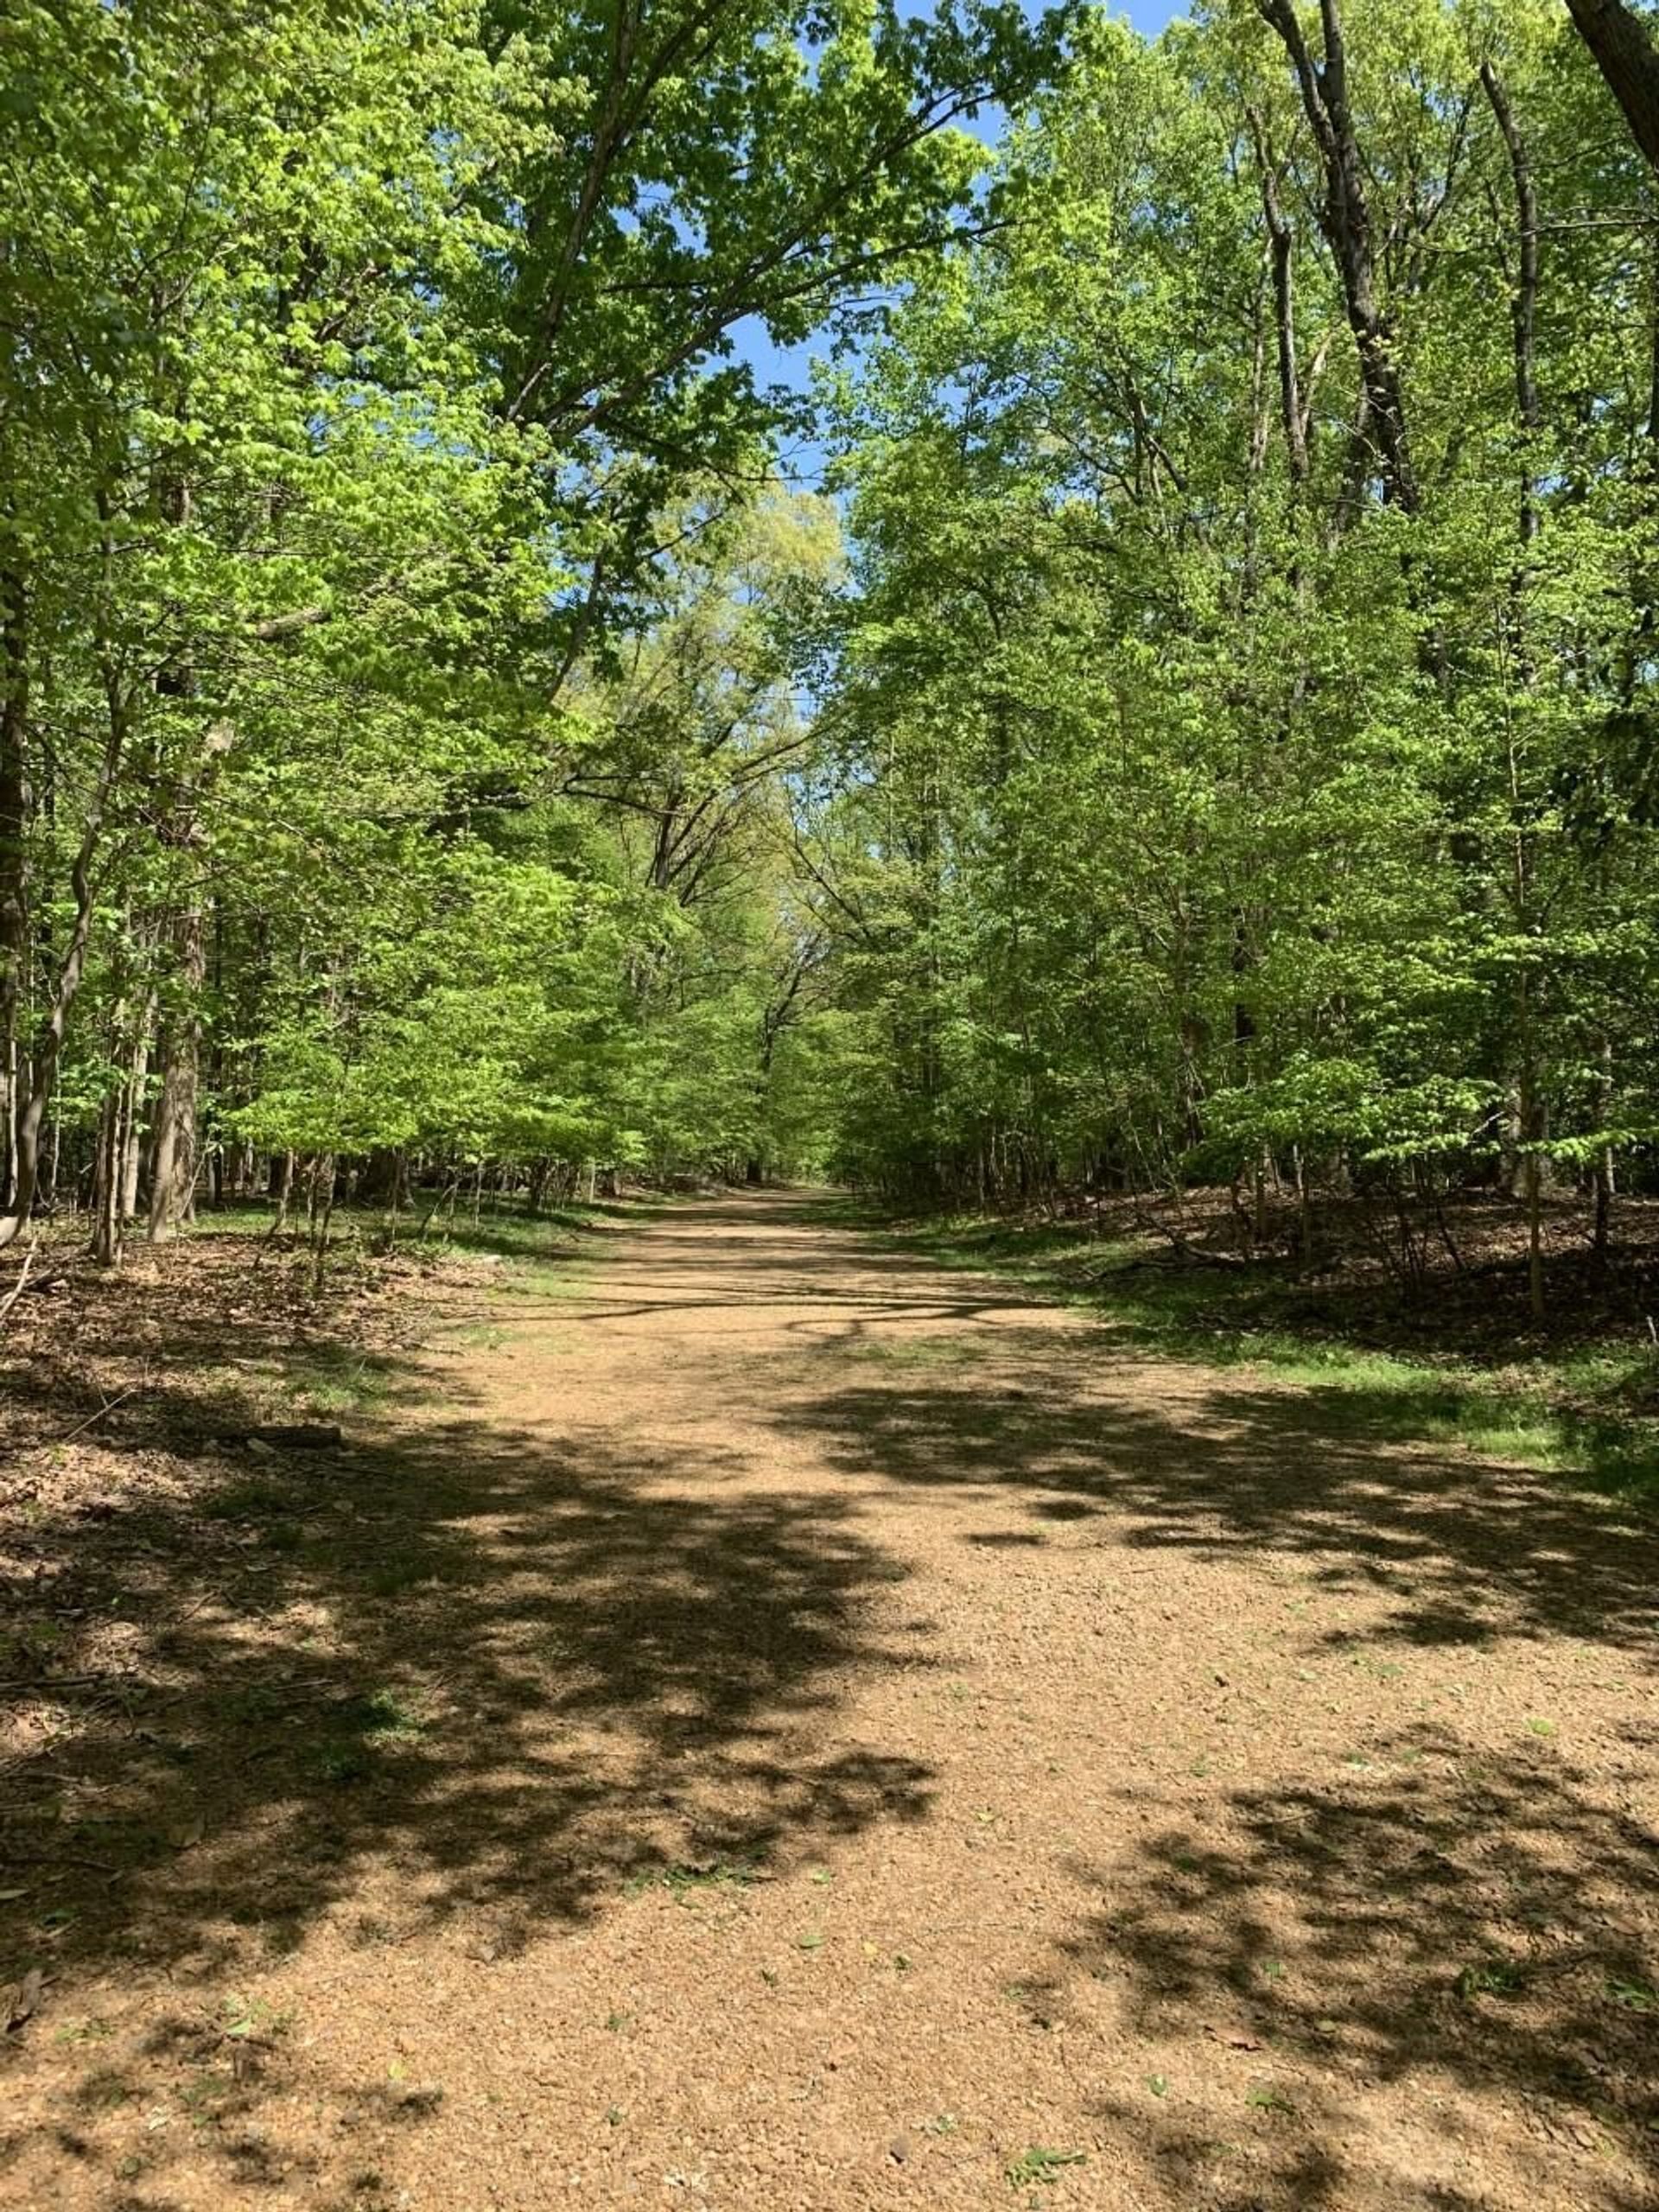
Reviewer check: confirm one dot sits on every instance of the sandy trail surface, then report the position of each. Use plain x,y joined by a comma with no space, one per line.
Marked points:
771,1723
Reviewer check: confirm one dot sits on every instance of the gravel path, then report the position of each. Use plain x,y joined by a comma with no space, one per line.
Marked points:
838,1736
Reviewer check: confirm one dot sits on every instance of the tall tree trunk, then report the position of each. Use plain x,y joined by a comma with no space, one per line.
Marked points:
1605,1164
281,1189
173,1155
48,1181
1345,215
106,1180
133,1144
1629,62
14,862
1281,241
1523,299
116,1131
1531,1116
43,1064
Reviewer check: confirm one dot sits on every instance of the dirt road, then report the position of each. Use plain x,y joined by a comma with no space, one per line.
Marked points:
777,1726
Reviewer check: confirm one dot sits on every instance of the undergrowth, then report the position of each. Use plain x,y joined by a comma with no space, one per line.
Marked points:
1587,1413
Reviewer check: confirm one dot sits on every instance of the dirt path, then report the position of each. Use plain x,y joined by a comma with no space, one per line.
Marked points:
784,1727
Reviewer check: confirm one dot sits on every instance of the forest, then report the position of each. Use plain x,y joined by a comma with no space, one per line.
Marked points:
828,1104
1198,731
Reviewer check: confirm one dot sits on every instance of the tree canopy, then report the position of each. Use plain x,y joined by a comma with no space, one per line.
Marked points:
1203,730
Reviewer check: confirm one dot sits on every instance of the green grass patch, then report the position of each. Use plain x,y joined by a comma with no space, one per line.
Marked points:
1492,1977
686,1881
480,1336
911,1351
505,1230
333,1379
353,1735
547,1279
1039,2165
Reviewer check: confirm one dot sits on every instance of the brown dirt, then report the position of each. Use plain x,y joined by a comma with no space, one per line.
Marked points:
787,1727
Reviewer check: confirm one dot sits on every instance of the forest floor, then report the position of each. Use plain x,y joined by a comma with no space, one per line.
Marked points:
1446,1353
756,1718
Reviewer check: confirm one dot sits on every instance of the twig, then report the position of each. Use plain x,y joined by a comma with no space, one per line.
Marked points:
176,1620
52,1681
9,1858
16,1290
80,1427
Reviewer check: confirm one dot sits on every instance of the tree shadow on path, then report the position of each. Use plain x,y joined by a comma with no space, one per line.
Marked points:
473,1679
1481,1923
1476,1927
1170,1460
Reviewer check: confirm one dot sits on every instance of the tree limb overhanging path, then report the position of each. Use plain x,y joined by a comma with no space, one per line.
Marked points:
831,1732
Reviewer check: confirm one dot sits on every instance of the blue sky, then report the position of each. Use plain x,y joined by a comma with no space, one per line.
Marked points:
1150,15
772,365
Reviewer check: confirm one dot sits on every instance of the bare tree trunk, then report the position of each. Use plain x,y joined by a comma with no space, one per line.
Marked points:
1281,238
49,1182
324,1178
1524,301
1629,62
106,1178
43,1065
396,1195
132,1148
1604,1186
1601,1236
14,857
1530,1114
8,1097
1346,218
131,1166
1535,1179
1304,1207
282,1187
172,1156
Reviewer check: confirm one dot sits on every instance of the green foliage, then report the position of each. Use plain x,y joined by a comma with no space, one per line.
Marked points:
395,659
433,743
1492,1977
1037,2164
1202,805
